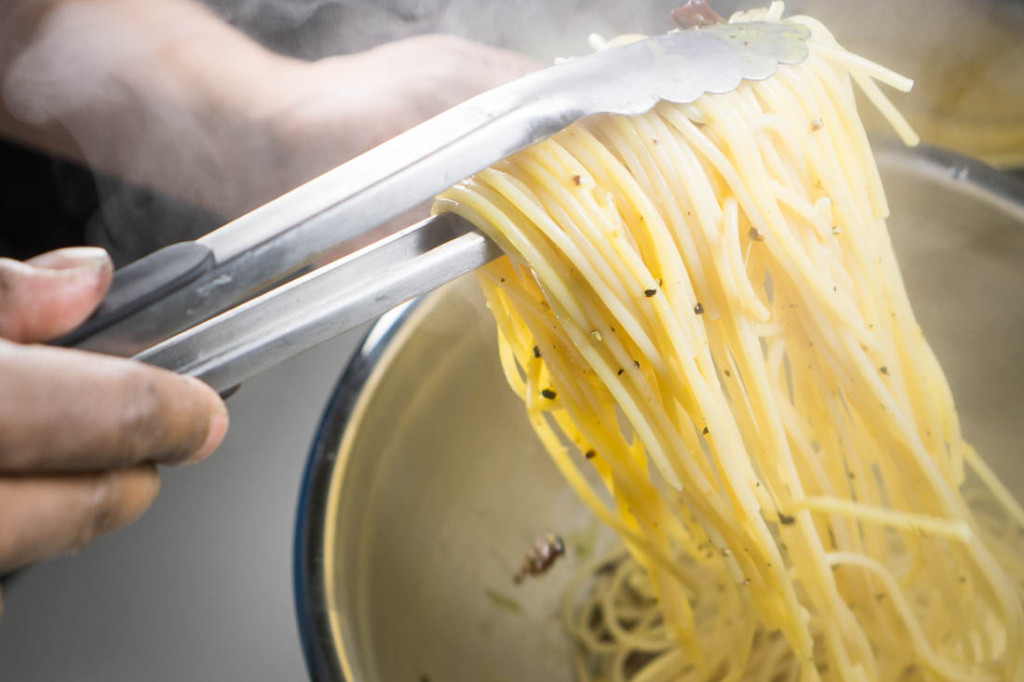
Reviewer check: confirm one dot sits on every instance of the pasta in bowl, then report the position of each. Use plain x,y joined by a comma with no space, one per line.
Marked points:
704,317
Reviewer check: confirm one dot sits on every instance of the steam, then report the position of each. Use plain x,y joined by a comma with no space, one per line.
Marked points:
66,73
66,78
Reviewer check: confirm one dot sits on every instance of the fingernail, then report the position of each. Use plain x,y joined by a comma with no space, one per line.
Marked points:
214,435
72,259
90,258
84,264
92,262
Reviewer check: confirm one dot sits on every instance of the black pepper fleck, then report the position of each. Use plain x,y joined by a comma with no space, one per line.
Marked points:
699,308
650,292
536,351
786,520
549,394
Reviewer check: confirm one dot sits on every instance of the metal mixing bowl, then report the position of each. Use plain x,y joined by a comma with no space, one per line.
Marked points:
426,485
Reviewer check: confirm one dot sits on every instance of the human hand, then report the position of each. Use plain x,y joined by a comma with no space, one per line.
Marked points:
317,115
355,102
165,94
80,433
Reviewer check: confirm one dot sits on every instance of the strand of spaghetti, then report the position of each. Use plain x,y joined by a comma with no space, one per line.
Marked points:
710,289
992,482
957,530
923,649
711,418
859,65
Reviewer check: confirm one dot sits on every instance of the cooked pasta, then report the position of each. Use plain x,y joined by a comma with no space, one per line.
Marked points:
702,304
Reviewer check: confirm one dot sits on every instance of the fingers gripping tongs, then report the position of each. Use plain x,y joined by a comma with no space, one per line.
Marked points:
193,307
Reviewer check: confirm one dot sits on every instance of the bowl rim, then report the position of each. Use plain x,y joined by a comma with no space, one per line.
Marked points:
316,634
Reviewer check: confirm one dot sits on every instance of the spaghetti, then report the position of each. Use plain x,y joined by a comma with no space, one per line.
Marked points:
702,304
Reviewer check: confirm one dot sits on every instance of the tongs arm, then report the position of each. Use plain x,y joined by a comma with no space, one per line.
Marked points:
281,239
183,285
260,333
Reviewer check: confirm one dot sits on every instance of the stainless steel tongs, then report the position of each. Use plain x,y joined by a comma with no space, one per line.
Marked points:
193,307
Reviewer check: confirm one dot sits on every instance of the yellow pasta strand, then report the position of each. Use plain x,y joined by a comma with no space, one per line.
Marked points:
702,303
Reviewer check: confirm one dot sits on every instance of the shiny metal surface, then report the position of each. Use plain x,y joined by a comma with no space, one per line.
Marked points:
282,323
427,484
441,490
281,239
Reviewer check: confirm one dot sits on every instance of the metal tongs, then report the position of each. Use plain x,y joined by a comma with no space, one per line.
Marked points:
245,297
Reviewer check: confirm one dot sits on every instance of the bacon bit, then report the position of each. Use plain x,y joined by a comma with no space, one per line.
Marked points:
542,556
756,235
695,14
577,180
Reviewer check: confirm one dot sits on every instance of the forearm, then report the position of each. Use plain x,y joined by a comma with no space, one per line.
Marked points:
164,94
161,92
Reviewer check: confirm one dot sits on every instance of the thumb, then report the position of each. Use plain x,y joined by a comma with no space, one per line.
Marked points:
51,294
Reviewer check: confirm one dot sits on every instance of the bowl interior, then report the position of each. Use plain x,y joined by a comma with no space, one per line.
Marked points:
441,487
